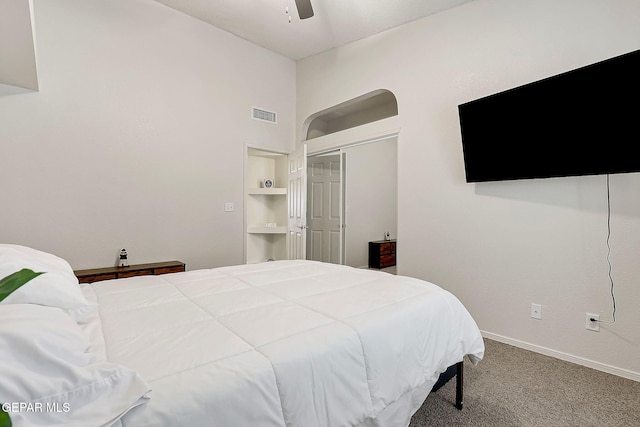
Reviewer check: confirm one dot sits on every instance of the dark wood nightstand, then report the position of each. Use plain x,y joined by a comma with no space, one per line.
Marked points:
107,273
382,253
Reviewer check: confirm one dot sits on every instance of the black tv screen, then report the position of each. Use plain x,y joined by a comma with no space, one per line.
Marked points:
582,122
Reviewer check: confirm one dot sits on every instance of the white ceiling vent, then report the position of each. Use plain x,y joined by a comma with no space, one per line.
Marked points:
263,115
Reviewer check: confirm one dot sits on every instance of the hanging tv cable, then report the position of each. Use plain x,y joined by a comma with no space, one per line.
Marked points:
613,297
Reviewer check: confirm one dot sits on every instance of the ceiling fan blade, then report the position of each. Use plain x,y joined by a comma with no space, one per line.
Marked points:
304,9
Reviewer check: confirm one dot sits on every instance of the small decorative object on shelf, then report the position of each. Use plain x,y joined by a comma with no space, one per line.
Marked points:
123,262
268,183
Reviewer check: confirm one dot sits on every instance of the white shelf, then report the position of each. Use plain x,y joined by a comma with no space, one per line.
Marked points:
267,230
267,191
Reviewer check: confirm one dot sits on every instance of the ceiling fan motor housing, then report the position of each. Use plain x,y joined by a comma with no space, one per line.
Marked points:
304,9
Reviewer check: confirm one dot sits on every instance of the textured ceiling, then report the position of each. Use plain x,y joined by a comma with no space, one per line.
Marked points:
336,22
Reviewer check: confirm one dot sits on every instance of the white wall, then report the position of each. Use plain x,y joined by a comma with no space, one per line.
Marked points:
501,246
136,137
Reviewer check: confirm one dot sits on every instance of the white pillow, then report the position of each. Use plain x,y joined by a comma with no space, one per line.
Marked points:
50,378
58,287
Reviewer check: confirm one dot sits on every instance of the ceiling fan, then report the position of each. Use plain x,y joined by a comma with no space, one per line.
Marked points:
304,9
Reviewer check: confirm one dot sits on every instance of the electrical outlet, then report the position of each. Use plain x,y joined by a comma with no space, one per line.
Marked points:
593,325
536,311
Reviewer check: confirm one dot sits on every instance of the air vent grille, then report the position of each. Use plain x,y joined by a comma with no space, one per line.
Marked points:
263,115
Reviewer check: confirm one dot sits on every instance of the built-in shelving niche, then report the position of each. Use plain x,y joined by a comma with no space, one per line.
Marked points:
266,208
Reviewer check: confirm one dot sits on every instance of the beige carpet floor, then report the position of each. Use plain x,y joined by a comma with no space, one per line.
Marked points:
516,387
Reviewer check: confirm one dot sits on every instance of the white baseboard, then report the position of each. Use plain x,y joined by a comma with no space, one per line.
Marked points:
624,373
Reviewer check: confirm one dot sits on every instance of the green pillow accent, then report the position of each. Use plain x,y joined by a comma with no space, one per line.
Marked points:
13,282
5,420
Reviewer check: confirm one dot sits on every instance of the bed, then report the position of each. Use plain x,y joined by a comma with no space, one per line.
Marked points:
282,343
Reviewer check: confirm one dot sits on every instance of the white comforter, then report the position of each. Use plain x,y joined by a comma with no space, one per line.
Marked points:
295,343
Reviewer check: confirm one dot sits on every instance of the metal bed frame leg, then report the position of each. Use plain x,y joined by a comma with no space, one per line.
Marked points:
459,382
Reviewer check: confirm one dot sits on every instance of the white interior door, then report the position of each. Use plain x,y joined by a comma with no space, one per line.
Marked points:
324,203
297,212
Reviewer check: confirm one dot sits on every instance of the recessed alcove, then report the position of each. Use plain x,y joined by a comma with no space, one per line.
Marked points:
18,73
370,107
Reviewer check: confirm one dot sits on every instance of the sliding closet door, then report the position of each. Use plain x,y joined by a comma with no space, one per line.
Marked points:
324,209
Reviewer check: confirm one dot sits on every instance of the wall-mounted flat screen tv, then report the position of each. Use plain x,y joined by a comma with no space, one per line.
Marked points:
582,122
